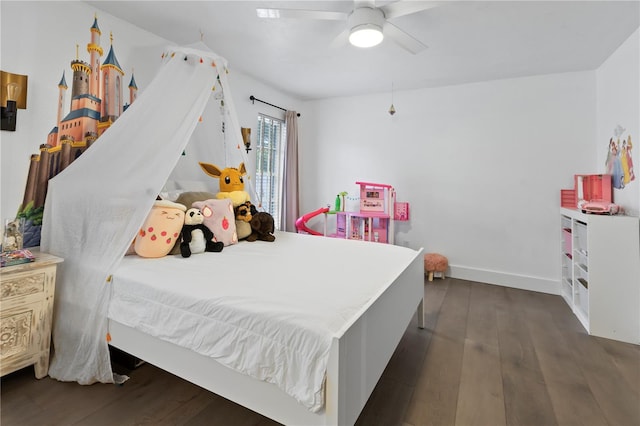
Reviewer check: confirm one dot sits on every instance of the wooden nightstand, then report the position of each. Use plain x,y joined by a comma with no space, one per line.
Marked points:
26,311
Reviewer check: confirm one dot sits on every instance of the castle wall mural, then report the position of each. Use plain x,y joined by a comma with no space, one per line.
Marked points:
96,102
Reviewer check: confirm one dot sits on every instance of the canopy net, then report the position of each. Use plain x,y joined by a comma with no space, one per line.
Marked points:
95,206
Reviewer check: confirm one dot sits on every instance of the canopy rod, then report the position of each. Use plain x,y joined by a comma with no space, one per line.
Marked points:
253,99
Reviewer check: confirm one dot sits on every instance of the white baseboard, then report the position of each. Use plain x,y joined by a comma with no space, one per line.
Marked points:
523,282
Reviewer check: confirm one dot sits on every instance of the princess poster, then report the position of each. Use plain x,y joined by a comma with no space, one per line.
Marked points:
619,162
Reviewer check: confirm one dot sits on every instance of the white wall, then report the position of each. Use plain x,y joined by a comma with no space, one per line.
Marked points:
481,165
618,103
45,47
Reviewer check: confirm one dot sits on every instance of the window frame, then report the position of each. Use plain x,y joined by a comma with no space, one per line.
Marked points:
275,130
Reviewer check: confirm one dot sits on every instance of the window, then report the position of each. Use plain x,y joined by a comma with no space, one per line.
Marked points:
105,90
272,134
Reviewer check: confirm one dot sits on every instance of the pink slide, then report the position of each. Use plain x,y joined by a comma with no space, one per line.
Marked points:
301,223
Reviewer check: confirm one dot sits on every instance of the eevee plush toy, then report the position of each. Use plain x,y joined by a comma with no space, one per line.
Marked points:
231,182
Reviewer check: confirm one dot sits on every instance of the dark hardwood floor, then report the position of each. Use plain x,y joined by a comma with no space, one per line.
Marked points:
489,356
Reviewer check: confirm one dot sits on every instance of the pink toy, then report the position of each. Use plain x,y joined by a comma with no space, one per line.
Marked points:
374,221
599,207
301,223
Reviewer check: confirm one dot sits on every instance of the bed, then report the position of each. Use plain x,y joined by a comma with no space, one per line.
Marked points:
299,330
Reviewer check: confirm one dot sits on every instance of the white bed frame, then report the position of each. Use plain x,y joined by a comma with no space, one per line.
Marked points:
359,355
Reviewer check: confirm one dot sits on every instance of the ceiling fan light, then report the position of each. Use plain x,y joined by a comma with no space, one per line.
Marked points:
268,13
366,35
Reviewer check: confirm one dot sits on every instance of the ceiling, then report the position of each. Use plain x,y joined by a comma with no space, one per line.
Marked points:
469,41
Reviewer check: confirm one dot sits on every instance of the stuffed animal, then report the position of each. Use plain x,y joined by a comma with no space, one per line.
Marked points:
262,226
196,237
245,211
230,181
244,214
160,230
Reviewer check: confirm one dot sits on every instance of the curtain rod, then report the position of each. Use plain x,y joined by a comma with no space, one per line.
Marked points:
253,99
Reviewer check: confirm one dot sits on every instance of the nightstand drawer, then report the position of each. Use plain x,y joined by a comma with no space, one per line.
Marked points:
22,284
19,332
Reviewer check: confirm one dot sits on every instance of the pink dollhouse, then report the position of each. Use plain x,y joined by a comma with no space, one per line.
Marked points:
374,221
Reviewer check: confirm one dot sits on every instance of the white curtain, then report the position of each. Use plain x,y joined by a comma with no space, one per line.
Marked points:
95,206
290,196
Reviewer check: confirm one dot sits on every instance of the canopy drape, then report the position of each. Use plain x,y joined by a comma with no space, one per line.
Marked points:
95,207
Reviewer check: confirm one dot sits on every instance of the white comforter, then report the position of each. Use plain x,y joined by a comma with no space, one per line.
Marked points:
269,310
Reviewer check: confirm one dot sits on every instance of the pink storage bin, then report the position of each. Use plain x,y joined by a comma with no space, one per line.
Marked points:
568,198
594,187
568,245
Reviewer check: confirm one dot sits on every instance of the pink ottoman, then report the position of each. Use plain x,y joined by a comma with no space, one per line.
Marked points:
434,262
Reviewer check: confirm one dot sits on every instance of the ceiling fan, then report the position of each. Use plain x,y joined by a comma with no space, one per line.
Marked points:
367,24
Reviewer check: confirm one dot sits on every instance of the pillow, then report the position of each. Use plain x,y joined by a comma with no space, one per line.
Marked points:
160,230
170,195
188,198
219,218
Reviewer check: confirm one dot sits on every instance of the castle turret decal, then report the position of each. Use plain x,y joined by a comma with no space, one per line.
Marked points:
95,52
111,86
62,86
96,102
81,72
133,89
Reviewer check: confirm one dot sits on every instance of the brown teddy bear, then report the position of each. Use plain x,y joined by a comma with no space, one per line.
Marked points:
244,214
262,226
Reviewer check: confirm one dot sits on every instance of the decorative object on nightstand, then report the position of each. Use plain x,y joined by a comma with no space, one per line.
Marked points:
16,257
12,237
26,312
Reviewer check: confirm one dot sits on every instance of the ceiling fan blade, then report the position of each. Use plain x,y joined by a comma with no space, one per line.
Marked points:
364,3
405,41
301,14
406,7
341,40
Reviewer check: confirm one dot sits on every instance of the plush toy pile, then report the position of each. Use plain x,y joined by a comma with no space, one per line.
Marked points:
211,222
250,223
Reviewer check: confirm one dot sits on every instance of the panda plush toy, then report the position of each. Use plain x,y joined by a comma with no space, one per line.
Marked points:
196,237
